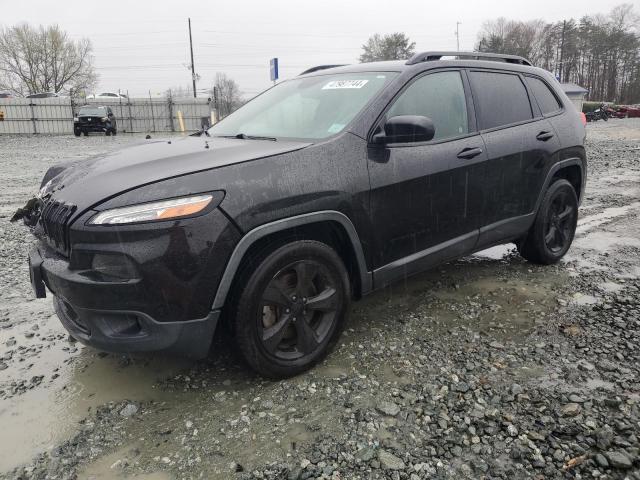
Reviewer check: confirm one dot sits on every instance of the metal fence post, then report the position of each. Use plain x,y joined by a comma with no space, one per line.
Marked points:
153,117
130,119
170,105
33,117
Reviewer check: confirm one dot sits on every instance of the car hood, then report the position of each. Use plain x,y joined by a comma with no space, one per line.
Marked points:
88,182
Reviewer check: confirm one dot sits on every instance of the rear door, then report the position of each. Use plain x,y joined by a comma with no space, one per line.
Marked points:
423,195
520,144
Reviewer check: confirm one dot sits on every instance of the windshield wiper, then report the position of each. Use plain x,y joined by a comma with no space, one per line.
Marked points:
244,136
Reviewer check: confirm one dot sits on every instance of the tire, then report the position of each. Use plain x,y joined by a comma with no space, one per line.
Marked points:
553,230
76,132
277,331
86,134
107,132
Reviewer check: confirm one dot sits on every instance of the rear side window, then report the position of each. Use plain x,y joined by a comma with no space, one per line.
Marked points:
500,98
439,96
547,101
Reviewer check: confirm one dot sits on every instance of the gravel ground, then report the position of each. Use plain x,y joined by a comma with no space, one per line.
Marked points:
488,367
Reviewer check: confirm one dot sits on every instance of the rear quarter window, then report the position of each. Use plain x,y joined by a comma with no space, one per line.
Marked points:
500,99
547,101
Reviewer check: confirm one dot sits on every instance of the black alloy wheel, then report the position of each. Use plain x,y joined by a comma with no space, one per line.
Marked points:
288,306
560,222
554,227
299,307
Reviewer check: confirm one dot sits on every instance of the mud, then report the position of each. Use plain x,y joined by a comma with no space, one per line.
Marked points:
476,326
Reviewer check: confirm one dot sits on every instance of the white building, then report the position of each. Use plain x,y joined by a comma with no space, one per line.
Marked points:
575,93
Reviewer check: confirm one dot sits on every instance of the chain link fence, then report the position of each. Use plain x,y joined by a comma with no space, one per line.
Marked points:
135,115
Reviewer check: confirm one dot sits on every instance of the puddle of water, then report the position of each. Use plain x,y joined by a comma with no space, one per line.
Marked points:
610,287
588,223
49,413
110,467
602,241
597,384
496,253
582,300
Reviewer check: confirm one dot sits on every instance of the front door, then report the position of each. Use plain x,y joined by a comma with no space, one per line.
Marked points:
424,203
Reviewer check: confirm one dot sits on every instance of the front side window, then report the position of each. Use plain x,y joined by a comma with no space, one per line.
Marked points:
547,101
439,96
305,108
500,99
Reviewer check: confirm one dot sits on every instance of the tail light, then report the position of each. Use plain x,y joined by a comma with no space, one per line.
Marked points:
583,117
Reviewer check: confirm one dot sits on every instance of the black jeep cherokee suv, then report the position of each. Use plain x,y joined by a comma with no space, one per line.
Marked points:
322,189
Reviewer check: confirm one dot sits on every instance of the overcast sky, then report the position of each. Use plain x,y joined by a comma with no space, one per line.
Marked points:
142,45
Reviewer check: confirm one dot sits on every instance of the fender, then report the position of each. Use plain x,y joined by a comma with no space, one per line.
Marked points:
283,224
557,167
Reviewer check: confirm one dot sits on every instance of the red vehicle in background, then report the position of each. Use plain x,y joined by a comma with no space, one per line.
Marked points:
630,111
617,112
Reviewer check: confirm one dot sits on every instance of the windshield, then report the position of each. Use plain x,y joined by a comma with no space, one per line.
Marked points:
306,108
95,111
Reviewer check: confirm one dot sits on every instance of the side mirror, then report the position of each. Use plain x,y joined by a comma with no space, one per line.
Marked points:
406,129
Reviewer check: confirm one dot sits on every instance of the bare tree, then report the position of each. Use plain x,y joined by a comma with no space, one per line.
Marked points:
179,91
395,46
227,94
44,59
599,52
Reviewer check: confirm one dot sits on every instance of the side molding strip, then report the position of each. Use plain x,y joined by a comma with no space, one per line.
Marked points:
279,225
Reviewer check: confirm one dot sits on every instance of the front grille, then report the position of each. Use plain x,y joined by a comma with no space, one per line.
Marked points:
54,218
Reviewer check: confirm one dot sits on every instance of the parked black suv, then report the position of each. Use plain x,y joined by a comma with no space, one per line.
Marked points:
92,118
322,189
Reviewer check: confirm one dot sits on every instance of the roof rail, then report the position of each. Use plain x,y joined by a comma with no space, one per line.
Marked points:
320,67
499,57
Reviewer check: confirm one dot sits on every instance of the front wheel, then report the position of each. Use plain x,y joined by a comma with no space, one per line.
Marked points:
553,230
289,307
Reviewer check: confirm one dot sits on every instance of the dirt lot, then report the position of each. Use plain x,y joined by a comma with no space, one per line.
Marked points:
486,367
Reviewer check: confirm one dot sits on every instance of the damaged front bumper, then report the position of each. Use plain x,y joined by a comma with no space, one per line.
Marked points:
114,330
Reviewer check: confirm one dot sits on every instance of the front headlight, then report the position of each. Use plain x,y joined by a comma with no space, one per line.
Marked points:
75,119
145,212
103,119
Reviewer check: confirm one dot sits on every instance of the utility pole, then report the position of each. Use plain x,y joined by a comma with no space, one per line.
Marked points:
193,67
564,26
458,35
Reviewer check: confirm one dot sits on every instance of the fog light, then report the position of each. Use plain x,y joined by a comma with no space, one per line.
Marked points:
114,266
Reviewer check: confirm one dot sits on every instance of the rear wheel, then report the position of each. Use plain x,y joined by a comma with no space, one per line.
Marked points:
290,305
554,227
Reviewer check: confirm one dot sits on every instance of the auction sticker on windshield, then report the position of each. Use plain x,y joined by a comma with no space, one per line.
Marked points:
335,84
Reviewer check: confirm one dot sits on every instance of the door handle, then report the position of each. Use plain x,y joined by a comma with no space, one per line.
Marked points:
470,152
544,136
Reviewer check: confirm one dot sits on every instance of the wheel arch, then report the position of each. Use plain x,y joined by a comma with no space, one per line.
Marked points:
572,170
331,226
